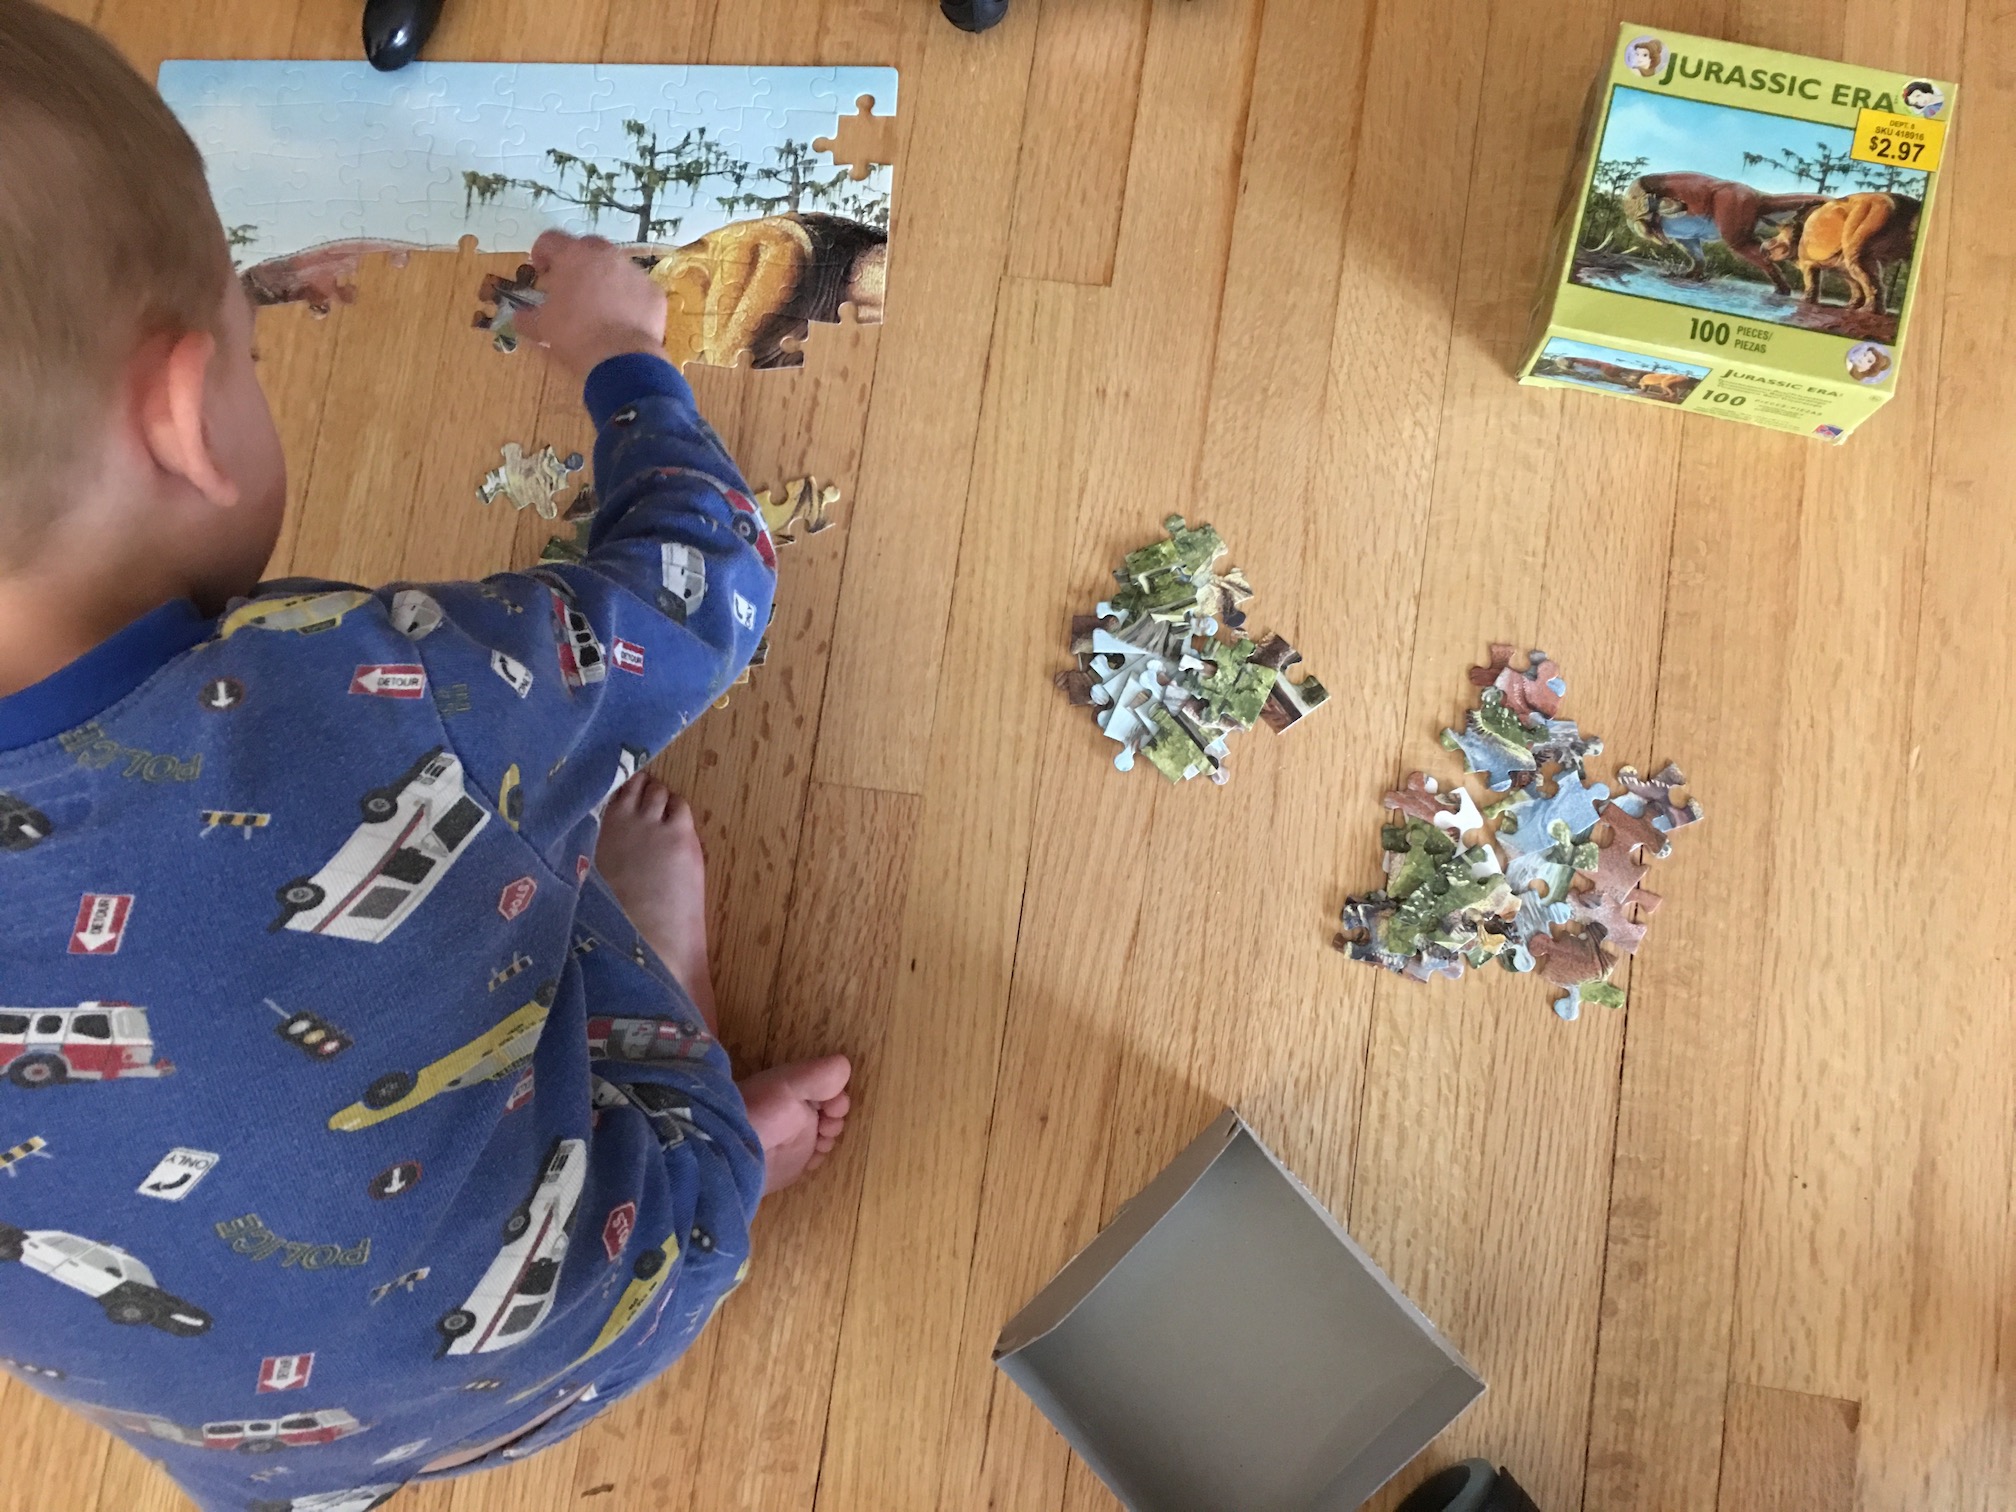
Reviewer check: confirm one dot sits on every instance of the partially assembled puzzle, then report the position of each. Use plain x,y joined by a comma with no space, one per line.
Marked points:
1524,881
759,198
1167,664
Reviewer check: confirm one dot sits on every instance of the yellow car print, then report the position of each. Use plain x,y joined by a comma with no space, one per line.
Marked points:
498,1052
304,613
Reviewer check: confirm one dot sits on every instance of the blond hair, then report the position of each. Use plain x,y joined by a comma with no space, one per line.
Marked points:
107,237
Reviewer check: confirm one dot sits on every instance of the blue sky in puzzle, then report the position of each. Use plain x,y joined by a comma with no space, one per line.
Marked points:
1687,135
1561,346
306,153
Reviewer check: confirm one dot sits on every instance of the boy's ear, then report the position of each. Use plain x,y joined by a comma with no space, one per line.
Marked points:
173,380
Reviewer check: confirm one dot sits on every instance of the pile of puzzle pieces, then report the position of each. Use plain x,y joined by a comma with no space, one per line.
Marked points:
1523,881
1167,663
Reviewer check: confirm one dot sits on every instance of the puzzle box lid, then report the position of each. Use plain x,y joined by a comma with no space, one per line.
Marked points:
1224,1344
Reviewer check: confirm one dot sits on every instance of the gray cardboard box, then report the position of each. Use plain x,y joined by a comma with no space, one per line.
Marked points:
1224,1345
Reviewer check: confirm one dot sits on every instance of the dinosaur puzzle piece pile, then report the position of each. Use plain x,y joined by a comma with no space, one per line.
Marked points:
1523,882
1167,664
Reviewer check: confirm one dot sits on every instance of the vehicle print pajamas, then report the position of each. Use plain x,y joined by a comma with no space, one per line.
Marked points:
346,1121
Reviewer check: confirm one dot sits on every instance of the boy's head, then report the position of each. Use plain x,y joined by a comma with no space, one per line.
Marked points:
126,374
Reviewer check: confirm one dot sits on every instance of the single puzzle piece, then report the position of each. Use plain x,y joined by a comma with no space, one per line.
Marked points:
533,481
1631,828
804,504
1172,750
1579,964
1525,820
1538,690
1550,871
1290,702
507,296
1235,691
1422,797
1654,796
861,140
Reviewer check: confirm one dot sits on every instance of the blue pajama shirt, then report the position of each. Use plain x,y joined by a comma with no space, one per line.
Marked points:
345,1120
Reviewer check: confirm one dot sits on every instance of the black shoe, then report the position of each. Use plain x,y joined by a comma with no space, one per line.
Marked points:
1472,1486
973,15
396,30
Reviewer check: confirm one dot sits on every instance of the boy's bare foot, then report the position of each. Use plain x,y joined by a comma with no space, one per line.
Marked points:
649,853
799,1112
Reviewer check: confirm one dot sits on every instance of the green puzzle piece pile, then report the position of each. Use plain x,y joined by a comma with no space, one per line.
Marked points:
1523,882
1167,663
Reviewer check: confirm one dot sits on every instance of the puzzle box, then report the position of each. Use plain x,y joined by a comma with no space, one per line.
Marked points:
1224,1346
1740,236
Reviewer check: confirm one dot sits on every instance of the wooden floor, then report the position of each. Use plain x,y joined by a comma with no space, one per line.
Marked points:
1744,1246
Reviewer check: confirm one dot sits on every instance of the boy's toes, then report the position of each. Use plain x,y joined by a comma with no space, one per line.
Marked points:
822,1080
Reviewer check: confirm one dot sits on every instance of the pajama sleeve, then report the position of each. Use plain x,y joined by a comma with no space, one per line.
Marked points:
558,682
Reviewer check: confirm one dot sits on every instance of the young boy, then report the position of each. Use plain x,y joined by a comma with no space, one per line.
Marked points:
361,1105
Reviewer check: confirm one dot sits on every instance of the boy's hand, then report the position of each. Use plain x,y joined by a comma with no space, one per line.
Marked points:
598,303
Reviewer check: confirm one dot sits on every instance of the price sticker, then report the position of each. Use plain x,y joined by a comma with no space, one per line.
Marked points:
1900,141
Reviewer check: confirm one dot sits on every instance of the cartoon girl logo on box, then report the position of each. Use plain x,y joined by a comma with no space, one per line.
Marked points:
1922,97
1868,362
1645,56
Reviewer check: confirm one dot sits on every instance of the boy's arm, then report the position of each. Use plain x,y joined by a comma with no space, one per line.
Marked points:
558,682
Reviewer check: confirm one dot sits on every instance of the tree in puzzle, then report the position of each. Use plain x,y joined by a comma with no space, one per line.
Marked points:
646,184
637,185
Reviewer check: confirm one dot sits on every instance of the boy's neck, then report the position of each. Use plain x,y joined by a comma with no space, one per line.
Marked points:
49,619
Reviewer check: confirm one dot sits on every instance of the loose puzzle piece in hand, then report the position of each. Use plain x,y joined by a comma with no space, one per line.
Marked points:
533,481
1167,665
508,296
1566,905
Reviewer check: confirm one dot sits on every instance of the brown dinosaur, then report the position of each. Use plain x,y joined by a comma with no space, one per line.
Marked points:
1689,210
1666,385
1858,235
753,285
317,276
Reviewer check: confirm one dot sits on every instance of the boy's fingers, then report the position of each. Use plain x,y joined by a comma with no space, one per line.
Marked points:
548,246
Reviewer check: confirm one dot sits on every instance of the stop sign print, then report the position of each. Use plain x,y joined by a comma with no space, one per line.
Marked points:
516,897
617,1229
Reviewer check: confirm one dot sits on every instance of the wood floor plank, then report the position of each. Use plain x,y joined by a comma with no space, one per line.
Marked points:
1683,1118
53,1457
746,767
903,1342
1935,1429
963,104
1786,1451
766,1427
133,1483
1084,92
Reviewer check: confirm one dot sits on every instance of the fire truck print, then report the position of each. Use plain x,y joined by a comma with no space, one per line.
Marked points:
296,1431
299,1430
94,1041
516,1292
118,1282
414,829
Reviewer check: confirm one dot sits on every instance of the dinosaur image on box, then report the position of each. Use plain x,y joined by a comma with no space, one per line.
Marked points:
1751,217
